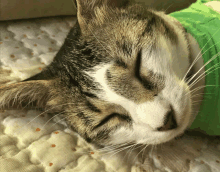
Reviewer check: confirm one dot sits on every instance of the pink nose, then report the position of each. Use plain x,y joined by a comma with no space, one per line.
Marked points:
169,122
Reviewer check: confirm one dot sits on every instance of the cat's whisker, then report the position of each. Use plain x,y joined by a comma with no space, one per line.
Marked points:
200,55
128,153
106,148
109,147
198,88
208,74
144,151
56,123
204,86
196,95
168,8
198,101
194,103
117,150
199,69
140,152
41,115
120,145
51,119
132,149
203,75
152,147
124,149
114,147
214,57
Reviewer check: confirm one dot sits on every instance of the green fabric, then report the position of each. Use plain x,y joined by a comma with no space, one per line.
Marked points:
204,25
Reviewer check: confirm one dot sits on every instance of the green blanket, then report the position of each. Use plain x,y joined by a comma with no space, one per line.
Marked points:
203,24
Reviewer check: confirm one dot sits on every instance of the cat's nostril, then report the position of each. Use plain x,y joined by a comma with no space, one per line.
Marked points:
169,122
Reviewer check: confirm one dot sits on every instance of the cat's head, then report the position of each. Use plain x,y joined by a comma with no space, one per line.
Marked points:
117,78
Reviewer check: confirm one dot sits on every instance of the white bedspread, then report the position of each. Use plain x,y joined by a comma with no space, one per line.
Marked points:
32,143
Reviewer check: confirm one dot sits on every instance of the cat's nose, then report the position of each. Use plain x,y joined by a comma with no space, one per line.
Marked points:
169,121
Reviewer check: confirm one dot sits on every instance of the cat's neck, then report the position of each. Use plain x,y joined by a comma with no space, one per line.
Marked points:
197,96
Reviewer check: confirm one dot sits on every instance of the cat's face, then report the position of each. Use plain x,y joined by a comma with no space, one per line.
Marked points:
120,74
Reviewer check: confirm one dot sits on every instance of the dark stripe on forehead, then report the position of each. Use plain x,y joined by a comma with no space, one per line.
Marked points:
155,21
125,46
120,63
84,117
88,94
169,31
148,29
92,107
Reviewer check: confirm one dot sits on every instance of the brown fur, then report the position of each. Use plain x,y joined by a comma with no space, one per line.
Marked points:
104,34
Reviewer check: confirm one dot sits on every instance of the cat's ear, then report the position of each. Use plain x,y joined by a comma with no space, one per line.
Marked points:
85,9
28,94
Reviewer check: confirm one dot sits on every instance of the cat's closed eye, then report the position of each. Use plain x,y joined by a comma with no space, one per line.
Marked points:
144,80
108,118
138,65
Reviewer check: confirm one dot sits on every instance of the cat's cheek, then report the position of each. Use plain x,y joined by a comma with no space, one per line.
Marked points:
187,115
183,109
122,135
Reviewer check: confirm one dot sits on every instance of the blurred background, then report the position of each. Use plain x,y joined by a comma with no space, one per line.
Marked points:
23,9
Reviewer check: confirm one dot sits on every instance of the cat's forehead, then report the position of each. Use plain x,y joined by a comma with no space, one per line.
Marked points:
126,25
125,32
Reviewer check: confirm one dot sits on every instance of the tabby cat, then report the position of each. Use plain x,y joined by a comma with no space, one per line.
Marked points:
119,77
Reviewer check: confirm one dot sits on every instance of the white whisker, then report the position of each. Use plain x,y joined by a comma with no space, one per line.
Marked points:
214,57
140,152
199,56
198,88
204,75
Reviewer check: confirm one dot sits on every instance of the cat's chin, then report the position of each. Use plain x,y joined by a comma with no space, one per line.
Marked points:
160,138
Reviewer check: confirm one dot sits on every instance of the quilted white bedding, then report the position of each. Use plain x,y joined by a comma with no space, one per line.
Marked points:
32,143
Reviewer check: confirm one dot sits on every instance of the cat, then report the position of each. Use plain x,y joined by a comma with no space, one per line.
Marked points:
120,76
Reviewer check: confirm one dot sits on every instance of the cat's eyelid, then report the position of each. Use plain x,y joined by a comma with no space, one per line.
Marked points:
121,63
146,83
111,116
138,64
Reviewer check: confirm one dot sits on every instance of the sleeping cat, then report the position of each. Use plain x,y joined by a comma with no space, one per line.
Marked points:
120,76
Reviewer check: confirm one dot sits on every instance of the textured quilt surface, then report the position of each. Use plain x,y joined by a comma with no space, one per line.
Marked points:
33,141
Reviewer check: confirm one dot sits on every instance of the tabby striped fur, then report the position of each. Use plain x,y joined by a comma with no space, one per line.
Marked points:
116,77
